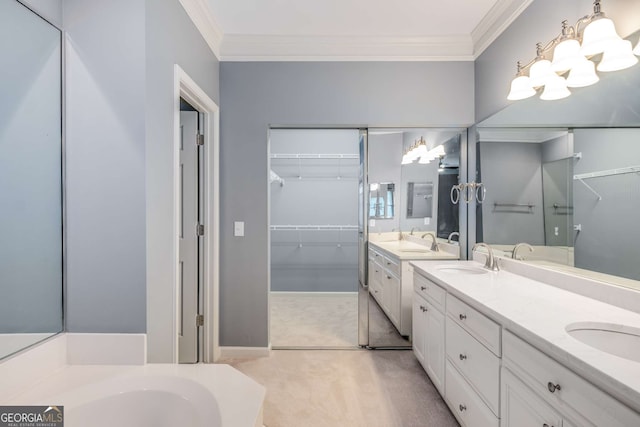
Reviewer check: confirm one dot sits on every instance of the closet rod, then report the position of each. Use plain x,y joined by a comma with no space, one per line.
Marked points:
609,172
314,156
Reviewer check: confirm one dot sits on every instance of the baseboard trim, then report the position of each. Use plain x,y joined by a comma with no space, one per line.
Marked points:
309,294
244,352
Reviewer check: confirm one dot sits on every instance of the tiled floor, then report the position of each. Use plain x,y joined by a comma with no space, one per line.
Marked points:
346,388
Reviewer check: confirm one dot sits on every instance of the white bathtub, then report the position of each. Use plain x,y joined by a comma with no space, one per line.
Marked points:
151,396
142,401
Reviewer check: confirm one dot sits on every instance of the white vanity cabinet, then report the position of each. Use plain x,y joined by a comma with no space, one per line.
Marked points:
473,365
428,328
390,283
537,385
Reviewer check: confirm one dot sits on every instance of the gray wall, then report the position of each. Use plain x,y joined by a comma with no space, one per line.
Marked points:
105,152
171,38
30,173
255,95
50,10
540,22
512,174
315,260
610,233
557,187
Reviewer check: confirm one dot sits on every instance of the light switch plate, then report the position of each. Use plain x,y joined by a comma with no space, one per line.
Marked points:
238,228
427,221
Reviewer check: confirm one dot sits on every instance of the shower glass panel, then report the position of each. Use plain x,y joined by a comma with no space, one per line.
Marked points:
31,246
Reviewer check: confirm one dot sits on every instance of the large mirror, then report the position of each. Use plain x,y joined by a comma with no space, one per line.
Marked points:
30,178
565,177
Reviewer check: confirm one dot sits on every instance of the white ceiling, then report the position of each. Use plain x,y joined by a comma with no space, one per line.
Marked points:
351,29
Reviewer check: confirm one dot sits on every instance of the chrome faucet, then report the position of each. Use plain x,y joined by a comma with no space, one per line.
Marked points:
517,247
412,230
455,233
434,245
492,262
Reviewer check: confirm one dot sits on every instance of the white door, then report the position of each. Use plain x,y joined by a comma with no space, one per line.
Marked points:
190,231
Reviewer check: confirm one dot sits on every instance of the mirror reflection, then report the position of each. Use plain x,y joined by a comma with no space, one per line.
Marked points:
572,194
420,200
30,179
381,204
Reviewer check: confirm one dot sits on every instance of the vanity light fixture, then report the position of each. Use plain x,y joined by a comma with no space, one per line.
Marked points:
419,151
573,52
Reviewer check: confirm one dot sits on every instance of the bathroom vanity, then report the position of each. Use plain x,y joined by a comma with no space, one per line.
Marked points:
391,275
507,350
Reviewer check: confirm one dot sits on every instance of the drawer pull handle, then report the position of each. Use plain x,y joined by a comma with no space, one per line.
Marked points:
423,308
462,316
423,288
553,387
546,425
462,408
463,356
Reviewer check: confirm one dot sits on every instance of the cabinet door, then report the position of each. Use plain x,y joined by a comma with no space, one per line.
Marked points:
392,297
434,353
521,407
419,326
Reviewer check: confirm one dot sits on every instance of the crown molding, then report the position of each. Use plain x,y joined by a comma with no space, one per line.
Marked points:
498,19
237,47
524,135
205,22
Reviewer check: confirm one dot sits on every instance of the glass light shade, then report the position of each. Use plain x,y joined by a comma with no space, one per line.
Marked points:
597,36
424,160
556,88
540,72
582,74
636,51
406,160
420,150
521,88
566,55
438,151
617,56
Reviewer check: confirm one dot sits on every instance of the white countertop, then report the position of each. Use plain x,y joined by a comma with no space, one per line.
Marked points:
539,313
413,249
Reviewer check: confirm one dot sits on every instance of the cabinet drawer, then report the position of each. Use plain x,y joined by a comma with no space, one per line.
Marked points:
465,403
521,407
477,324
429,290
478,365
576,398
391,265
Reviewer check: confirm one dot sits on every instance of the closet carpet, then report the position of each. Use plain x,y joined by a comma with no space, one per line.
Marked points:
314,320
346,388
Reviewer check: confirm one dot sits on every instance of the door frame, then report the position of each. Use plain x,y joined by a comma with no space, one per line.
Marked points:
185,87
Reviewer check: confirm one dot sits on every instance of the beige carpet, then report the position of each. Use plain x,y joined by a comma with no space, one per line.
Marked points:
314,320
346,388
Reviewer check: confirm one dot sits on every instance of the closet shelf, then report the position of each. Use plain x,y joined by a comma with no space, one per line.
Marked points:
313,227
315,156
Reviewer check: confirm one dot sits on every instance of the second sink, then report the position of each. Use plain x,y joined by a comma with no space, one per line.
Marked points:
619,340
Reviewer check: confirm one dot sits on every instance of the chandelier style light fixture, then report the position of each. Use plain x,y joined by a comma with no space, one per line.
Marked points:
572,64
418,151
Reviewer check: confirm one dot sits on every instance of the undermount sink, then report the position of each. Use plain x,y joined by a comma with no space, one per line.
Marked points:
618,340
461,269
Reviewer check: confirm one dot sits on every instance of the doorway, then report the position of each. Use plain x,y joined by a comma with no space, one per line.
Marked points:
196,225
191,266
313,225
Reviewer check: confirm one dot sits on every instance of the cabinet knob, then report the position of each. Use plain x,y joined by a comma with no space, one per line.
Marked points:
553,387
463,356
462,408
388,277
462,316
423,288
546,425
